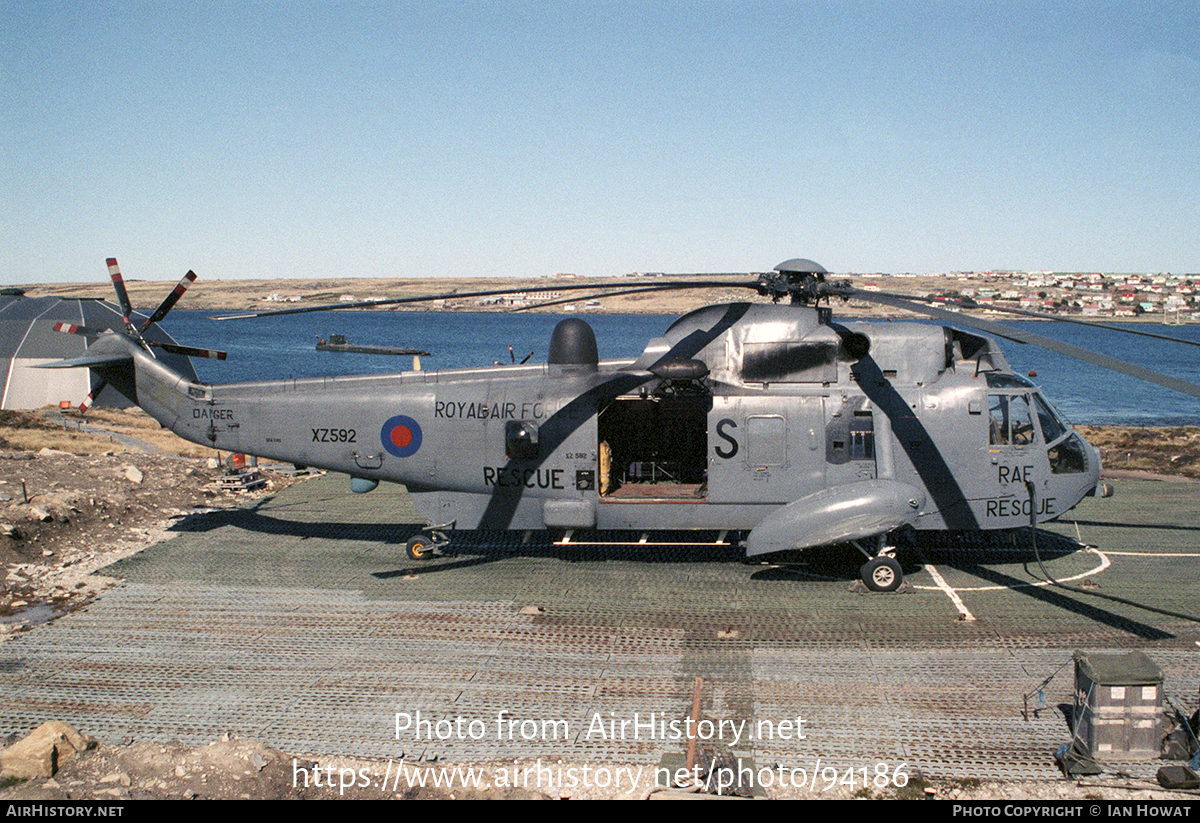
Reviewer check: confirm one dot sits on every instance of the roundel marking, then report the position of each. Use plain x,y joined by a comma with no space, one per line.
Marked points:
401,436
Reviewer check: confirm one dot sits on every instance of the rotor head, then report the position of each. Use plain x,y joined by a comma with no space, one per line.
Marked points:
801,279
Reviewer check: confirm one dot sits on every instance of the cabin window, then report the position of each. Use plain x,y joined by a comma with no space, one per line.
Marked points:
521,439
766,441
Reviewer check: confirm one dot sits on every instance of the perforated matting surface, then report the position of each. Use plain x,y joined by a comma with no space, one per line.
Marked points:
300,622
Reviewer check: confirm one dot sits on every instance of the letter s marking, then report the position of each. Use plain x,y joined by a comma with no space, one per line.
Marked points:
728,438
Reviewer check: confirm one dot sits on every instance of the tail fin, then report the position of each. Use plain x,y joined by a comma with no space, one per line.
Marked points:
111,357
94,359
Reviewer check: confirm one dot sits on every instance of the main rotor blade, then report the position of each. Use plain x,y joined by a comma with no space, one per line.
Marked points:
396,301
1043,316
639,290
119,285
171,299
1021,336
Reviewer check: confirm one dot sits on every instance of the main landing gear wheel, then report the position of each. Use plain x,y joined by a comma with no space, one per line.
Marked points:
882,574
419,548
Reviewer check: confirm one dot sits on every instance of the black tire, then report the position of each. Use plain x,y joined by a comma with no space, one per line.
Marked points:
882,574
419,548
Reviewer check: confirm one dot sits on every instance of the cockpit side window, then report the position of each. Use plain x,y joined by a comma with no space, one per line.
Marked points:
1068,457
998,410
1022,420
1011,421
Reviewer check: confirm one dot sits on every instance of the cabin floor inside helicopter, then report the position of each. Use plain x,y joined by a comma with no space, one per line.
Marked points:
654,446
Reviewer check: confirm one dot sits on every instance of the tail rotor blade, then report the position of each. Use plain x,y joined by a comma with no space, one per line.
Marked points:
136,333
119,285
92,395
170,300
71,328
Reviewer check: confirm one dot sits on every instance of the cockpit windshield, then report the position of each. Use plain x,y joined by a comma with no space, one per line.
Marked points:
1052,427
1065,448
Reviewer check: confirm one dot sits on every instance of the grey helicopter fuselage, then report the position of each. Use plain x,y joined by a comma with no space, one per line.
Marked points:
772,419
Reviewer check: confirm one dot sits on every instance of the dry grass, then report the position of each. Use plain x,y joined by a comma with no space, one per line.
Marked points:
132,418
51,429
1171,450
29,431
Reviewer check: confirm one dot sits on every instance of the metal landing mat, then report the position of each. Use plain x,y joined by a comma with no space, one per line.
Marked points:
300,622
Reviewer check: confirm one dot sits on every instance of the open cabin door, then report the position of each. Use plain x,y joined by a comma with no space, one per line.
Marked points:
653,447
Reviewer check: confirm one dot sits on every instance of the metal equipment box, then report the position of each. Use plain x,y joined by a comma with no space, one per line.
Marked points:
1118,705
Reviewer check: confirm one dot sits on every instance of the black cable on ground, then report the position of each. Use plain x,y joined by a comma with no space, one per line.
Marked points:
1113,598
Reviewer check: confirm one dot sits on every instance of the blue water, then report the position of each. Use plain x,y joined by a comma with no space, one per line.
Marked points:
1090,394
285,347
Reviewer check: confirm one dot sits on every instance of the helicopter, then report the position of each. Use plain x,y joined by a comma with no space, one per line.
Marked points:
772,419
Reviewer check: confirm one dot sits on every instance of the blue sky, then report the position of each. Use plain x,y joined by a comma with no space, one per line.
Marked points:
301,139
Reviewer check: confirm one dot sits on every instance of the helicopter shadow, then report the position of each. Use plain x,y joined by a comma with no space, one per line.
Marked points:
256,520
475,548
993,551
986,556
468,547
970,552
980,554
1155,526
966,551
1009,548
1060,598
